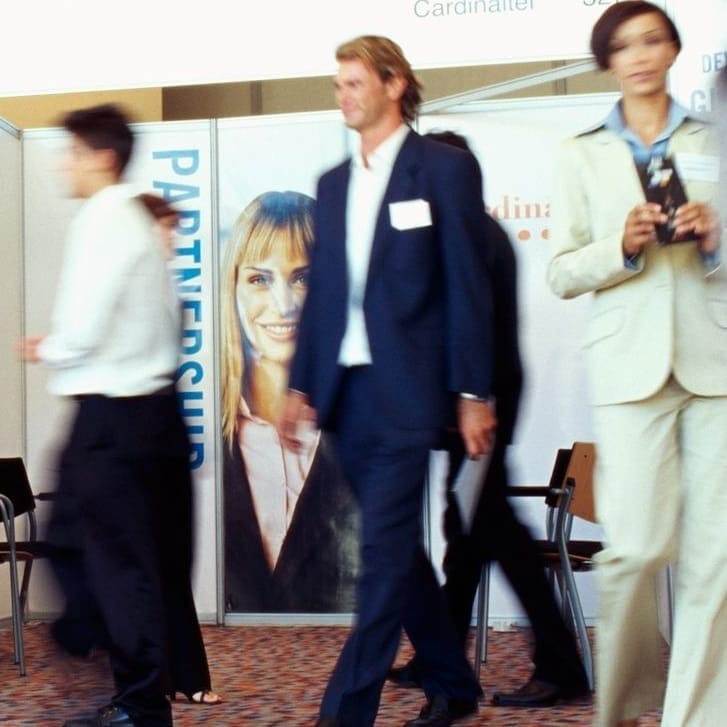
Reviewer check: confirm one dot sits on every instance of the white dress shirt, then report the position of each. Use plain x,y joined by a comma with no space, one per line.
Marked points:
366,189
113,330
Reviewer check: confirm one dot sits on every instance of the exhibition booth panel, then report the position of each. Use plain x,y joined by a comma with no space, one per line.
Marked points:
214,172
11,304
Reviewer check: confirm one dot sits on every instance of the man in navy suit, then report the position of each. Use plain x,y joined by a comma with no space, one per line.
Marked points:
395,328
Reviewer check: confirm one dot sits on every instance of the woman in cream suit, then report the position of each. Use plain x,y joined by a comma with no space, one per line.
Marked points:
657,352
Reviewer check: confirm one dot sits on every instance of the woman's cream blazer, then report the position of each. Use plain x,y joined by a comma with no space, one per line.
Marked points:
669,315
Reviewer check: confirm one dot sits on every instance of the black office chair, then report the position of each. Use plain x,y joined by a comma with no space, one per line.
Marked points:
17,500
8,519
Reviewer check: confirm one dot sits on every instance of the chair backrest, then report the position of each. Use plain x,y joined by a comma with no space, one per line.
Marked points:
15,486
557,476
580,470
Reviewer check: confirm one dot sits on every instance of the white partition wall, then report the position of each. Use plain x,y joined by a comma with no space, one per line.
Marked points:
11,424
12,421
172,159
704,51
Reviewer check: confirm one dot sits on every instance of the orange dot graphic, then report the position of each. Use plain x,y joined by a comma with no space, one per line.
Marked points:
523,235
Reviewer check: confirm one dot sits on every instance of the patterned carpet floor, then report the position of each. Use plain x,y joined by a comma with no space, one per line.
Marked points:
267,675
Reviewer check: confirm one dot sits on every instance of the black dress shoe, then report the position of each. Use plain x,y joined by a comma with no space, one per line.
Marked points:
327,722
441,711
111,716
538,693
407,676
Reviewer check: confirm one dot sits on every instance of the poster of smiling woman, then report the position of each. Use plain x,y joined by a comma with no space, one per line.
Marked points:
290,521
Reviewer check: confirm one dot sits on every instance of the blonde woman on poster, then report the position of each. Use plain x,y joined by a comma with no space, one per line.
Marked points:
656,348
290,522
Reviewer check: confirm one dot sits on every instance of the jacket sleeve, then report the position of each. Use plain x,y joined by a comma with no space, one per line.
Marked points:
468,302
583,263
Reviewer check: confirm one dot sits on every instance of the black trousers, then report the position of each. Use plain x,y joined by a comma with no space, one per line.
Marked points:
497,535
124,507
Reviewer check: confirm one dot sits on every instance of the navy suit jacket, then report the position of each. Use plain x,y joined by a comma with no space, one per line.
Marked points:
427,300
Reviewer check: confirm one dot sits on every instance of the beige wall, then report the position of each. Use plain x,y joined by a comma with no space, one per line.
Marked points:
28,112
316,94
280,96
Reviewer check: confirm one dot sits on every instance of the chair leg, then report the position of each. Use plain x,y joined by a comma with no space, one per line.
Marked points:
579,622
24,587
565,604
670,597
17,615
483,610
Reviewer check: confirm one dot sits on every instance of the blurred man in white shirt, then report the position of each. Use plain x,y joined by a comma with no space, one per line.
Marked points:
124,492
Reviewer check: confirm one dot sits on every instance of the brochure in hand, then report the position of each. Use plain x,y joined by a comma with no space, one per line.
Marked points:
662,185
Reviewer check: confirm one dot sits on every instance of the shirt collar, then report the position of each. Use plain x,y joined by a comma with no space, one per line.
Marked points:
384,155
615,121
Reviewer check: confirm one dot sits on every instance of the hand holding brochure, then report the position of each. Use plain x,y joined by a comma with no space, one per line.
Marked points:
663,186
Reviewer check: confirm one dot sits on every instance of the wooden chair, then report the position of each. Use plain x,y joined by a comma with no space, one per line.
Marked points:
573,555
572,473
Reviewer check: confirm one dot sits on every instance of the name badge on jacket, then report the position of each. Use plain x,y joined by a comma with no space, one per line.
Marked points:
410,214
697,167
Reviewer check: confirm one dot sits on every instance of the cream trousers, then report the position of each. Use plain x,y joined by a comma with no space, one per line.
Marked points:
661,496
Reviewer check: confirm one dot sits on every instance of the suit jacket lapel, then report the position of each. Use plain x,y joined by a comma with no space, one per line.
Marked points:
400,187
337,207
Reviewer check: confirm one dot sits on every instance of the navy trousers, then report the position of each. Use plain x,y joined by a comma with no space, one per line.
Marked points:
386,468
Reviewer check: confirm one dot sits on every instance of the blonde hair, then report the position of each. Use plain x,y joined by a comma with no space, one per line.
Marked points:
272,219
387,59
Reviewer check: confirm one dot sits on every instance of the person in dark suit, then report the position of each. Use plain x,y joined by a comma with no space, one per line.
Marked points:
396,325
496,534
290,519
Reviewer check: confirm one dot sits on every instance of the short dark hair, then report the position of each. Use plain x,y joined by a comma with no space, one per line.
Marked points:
449,137
104,126
613,17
